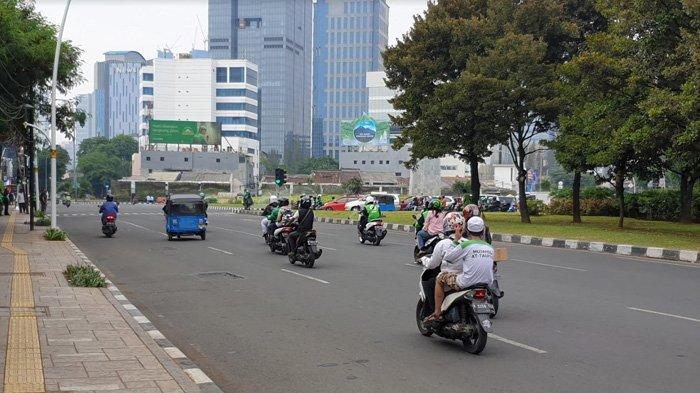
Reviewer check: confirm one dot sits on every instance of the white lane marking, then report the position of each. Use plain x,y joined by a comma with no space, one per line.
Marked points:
664,314
224,251
305,276
515,343
198,375
144,228
548,265
241,232
412,265
248,219
328,248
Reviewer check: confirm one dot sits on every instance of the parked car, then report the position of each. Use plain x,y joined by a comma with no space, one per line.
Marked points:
387,202
338,204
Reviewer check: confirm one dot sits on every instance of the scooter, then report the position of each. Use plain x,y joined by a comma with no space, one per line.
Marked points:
109,227
277,241
66,203
307,251
373,232
466,315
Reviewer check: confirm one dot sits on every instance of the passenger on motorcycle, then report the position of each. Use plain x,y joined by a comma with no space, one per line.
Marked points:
284,217
304,218
266,212
476,257
275,214
370,212
472,210
438,258
433,224
108,208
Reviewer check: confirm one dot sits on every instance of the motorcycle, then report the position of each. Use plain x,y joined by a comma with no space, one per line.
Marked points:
278,240
66,203
466,315
307,251
428,247
109,227
374,232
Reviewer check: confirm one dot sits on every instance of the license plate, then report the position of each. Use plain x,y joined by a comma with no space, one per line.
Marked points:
482,308
312,242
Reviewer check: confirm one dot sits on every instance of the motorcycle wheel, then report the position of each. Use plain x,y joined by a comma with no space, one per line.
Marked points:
494,300
203,236
424,330
416,259
108,234
476,341
309,263
362,239
377,240
272,245
291,259
170,236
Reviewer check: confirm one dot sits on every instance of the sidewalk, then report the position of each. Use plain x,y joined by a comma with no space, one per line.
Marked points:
54,337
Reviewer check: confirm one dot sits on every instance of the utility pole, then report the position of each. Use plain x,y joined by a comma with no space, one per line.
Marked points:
75,169
30,167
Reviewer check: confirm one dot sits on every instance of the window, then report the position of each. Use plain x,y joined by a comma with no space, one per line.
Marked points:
221,75
162,158
236,93
235,74
355,162
372,162
251,151
150,171
387,162
148,77
187,159
252,77
237,120
148,158
236,106
148,91
364,162
381,162
397,174
218,160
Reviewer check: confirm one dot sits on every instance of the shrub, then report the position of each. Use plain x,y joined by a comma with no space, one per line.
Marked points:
212,200
84,276
535,207
42,222
40,214
597,193
54,234
560,206
563,193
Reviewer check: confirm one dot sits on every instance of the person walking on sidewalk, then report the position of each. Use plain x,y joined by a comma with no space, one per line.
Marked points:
21,200
43,200
6,201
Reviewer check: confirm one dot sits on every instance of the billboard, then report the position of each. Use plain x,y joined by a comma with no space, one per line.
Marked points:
365,131
184,132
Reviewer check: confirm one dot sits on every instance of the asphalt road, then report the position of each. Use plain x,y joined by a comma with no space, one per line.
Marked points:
570,321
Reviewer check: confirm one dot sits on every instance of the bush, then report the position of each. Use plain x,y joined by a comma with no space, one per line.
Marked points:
54,234
42,222
211,200
84,276
535,207
597,193
560,206
40,214
563,193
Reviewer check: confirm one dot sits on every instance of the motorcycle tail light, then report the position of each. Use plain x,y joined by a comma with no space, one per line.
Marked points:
111,218
480,294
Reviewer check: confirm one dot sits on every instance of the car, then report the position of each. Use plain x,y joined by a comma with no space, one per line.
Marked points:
355,205
338,204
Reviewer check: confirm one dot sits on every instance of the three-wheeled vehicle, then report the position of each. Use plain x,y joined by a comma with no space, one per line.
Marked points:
185,214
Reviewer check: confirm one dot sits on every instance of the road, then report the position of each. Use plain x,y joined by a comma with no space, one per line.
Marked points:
570,321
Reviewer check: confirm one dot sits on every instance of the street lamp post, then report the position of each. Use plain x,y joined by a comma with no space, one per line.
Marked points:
54,82
35,163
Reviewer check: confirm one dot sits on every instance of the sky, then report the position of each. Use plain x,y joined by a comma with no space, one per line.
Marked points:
98,26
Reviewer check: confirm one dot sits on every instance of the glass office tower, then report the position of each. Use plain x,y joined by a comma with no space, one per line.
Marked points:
276,35
349,37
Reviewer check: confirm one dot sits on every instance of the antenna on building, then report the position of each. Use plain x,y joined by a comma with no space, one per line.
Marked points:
205,38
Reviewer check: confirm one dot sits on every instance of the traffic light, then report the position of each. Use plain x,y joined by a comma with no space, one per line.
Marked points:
280,177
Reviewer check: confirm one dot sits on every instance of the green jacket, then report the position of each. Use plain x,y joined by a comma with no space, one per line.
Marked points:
273,216
373,212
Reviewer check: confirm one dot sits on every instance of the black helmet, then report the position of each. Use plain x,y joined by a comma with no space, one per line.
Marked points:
109,198
284,202
305,203
274,204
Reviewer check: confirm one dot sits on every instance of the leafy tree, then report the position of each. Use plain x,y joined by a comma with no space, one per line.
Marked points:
462,187
353,186
325,163
99,168
270,161
123,146
43,162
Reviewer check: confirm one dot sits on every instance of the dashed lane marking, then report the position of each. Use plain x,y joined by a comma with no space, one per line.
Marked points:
222,251
144,228
241,232
548,265
305,276
517,344
664,314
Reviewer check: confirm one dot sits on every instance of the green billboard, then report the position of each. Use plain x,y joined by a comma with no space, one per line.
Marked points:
365,131
184,132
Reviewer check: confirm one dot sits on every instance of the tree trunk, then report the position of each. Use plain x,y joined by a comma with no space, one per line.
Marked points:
687,184
620,190
475,183
522,203
576,197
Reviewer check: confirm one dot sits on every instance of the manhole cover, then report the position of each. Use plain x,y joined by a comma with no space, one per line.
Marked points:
218,274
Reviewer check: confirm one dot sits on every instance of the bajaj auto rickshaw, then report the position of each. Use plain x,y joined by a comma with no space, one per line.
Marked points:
185,214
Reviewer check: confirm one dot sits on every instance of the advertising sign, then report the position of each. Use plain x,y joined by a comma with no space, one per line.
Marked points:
184,132
365,131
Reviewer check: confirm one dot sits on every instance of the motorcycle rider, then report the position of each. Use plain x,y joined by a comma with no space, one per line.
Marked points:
304,218
472,210
433,224
370,212
476,257
108,208
266,212
247,199
452,220
276,215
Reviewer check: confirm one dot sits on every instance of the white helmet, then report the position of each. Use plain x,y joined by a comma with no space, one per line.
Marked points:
369,199
453,219
476,225
273,198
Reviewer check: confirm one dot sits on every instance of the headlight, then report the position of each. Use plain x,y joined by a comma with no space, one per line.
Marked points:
174,221
201,221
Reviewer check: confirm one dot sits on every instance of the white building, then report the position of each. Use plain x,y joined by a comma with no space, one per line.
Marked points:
199,89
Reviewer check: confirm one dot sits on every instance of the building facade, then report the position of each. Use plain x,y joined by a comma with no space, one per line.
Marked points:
349,38
86,103
116,94
222,91
277,36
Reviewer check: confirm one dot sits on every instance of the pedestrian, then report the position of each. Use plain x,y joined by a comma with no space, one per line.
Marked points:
11,195
6,201
43,200
21,200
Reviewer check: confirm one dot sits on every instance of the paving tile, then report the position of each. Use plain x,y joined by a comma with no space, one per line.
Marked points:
113,365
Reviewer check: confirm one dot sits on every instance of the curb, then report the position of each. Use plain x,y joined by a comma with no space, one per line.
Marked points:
195,374
619,249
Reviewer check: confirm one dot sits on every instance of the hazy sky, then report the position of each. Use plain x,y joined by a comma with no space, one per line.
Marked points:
98,26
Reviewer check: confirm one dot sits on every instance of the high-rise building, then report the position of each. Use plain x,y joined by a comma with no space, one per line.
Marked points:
86,103
349,37
117,93
207,90
277,36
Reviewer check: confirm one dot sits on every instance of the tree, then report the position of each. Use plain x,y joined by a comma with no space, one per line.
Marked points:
99,169
123,146
270,161
90,145
353,186
325,163
462,187
43,162
445,109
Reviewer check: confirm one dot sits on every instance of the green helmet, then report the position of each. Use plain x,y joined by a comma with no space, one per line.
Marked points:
201,195
436,205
